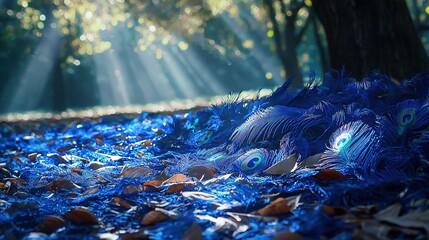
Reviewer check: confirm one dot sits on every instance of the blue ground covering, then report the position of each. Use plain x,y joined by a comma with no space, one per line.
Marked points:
345,159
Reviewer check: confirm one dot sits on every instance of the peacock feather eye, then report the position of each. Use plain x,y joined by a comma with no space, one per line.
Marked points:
406,116
342,141
252,160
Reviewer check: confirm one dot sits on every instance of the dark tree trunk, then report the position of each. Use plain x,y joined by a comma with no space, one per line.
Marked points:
368,35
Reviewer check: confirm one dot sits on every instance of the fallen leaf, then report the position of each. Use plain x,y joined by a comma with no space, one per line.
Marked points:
175,188
96,165
329,174
151,185
134,172
195,232
138,235
50,224
130,189
153,217
65,149
77,170
177,183
158,131
413,219
177,178
201,172
286,165
288,236
32,156
333,211
81,216
280,206
99,142
147,143
121,202
61,183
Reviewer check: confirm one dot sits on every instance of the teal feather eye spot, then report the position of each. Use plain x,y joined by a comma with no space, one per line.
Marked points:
342,141
406,116
252,160
252,163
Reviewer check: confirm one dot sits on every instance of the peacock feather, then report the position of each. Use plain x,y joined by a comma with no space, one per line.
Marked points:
352,146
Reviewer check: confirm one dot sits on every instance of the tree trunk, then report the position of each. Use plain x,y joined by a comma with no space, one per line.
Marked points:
368,35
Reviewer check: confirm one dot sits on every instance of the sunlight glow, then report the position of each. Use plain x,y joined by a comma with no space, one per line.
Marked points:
33,80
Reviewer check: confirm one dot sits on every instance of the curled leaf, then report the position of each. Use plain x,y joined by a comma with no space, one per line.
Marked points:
32,156
280,206
121,202
153,217
60,184
177,178
99,142
81,216
77,170
50,224
134,172
147,143
151,185
65,149
175,188
333,211
201,172
329,174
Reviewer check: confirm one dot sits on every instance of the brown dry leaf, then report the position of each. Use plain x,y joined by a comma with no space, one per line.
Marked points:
151,185
134,172
65,149
130,189
175,188
153,217
77,170
201,172
50,224
177,178
81,216
91,191
138,235
333,211
329,174
99,142
102,180
147,143
121,202
158,131
32,156
17,181
61,183
140,154
280,206
288,236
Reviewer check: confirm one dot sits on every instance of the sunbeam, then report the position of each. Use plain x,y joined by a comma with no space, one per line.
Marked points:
32,81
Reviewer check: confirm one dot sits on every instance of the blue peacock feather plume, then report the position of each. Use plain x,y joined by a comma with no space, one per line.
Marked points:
351,147
267,124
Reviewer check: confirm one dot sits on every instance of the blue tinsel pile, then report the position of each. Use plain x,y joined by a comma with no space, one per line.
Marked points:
338,159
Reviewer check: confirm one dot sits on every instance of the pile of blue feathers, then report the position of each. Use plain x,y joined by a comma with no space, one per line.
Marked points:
340,159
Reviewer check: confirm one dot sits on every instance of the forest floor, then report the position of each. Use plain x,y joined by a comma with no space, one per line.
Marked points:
282,167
